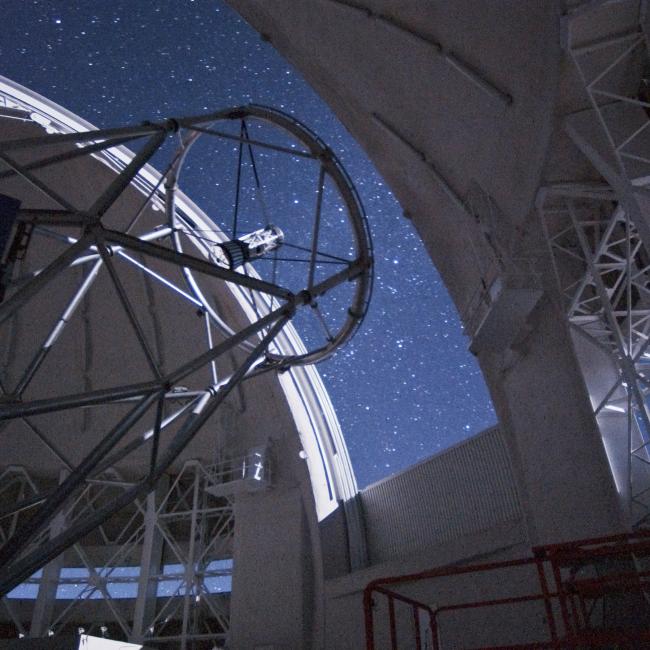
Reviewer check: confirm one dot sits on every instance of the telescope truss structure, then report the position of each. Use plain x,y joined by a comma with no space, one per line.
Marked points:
165,415
174,603
598,232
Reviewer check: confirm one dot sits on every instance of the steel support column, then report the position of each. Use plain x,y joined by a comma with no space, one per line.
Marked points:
150,564
44,606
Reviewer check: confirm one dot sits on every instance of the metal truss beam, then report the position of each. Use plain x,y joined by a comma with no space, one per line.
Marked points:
191,611
599,237
24,567
86,502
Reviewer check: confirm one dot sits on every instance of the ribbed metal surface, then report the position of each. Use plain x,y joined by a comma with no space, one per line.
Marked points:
463,490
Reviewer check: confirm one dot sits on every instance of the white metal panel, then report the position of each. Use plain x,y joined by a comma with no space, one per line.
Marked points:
463,490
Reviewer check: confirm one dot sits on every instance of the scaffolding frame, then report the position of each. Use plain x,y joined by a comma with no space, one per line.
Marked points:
180,524
568,586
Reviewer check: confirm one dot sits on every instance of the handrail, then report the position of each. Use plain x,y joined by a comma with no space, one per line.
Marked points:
568,629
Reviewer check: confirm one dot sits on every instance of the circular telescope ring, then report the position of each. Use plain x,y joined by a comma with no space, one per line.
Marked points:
360,264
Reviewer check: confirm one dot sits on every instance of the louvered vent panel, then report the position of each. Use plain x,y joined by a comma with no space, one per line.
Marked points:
462,490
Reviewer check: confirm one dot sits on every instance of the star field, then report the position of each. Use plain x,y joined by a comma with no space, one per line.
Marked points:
406,386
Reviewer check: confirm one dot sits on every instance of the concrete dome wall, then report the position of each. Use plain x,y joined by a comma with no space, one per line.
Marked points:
460,105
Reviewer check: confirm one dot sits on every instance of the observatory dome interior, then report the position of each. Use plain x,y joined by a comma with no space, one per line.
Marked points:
515,137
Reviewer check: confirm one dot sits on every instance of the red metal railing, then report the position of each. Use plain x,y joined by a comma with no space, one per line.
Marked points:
570,599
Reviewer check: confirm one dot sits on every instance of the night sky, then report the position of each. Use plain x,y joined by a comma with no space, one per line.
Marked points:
406,386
